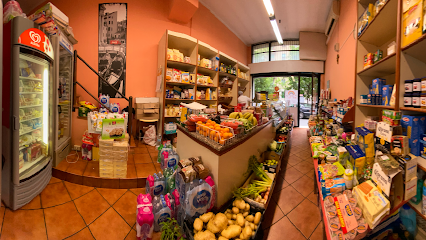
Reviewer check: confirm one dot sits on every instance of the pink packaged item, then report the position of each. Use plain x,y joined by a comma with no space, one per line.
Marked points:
150,185
175,194
144,217
210,181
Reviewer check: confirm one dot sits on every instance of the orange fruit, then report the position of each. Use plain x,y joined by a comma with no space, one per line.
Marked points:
226,130
222,141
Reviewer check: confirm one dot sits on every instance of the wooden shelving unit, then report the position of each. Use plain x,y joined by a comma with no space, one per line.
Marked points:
192,47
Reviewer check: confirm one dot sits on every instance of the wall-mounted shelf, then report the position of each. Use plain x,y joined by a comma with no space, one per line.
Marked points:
384,67
376,106
417,48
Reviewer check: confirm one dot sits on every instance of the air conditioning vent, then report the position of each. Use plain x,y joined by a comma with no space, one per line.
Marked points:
333,15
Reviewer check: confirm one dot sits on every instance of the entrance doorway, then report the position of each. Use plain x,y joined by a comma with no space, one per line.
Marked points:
299,91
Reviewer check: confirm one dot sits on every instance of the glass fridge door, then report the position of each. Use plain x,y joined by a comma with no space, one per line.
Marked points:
33,113
64,96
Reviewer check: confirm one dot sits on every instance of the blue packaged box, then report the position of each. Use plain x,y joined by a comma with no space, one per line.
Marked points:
410,126
386,94
415,146
357,156
377,85
422,124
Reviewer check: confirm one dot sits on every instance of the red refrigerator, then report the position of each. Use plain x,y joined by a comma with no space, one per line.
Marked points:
27,112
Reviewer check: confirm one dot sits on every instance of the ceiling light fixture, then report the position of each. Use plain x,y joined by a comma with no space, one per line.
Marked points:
276,31
269,7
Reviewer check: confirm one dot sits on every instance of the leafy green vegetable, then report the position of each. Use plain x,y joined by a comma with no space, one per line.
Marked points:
170,230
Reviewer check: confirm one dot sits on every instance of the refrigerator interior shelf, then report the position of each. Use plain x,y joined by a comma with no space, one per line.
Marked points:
28,165
20,134
30,78
27,144
30,106
31,93
29,119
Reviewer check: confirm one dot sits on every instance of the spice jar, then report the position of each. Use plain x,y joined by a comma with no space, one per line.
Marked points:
408,86
417,85
407,100
415,100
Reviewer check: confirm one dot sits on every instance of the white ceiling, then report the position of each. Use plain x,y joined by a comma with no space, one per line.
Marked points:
249,20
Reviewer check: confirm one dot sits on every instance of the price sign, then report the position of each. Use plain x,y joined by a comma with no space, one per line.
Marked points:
384,131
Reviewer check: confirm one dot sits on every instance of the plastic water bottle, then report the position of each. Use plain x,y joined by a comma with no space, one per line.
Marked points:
158,143
408,219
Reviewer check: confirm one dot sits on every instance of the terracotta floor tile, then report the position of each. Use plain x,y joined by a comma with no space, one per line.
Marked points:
130,158
131,171
138,191
77,190
272,215
144,170
54,180
288,199
78,167
305,217
112,195
131,235
281,183
313,198
291,175
304,185
2,210
141,150
54,194
63,165
318,234
157,166
304,167
23,224
142,158
84,234
311,174
156,236
109,226
63,221
293,160
91,206
126,206
283,229
34,204
92,169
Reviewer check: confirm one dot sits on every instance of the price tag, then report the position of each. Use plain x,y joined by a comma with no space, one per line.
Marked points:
384,131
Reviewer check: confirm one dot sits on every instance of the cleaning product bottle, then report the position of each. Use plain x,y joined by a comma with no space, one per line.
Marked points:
144,217
149,187
418,198
408,219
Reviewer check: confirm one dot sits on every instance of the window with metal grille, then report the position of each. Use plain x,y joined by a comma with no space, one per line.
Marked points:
273,51
261,53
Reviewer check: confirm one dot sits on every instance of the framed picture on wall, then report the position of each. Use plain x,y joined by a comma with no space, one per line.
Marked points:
112,48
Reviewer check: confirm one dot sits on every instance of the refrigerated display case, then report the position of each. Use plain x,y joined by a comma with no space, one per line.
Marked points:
63,65
27,116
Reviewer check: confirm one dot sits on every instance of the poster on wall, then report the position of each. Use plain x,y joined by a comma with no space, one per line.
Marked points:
112,48
291,97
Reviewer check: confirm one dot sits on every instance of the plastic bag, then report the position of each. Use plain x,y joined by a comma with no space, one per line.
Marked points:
11,10
150,136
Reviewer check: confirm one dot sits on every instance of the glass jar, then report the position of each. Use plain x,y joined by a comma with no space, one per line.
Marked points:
417,85
423,84
408,86
407,100
416,100
423,100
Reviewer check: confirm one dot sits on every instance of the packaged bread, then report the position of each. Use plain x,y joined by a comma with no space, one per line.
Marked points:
169,74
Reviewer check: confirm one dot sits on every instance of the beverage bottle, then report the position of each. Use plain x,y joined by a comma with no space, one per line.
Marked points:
150,185
408,219
162,215
144,217
175,194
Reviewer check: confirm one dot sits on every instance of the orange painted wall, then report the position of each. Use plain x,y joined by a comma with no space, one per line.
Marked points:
342,74
147,21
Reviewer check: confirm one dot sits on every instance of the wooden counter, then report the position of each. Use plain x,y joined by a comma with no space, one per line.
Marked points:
228,165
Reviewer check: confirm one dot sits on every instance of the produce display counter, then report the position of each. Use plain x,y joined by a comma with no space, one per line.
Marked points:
226,163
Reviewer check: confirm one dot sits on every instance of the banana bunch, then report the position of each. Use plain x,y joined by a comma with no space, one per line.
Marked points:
247,115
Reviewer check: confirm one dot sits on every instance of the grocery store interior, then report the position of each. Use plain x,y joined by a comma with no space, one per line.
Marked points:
223,120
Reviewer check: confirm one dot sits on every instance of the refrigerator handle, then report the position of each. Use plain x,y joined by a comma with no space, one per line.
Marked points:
15,123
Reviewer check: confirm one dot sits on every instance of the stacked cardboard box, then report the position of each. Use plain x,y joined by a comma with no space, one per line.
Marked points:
113,158
147,108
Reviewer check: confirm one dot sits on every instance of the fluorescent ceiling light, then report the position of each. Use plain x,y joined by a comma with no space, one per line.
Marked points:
276,31
269,7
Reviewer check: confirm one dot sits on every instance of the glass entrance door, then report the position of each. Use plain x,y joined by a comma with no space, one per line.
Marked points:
64,96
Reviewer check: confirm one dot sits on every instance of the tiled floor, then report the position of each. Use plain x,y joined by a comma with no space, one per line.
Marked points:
293,212
69,211
142,161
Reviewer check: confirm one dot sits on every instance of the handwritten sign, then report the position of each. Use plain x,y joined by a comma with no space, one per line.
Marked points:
384,131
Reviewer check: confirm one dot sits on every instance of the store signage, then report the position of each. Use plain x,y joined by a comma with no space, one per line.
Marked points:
384,131
65,43
291,96
35,38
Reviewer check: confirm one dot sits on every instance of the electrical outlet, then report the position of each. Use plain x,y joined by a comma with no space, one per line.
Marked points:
76,148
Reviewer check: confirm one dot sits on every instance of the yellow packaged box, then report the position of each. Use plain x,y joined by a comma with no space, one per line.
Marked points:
412,19
374,204
105,142
120,146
